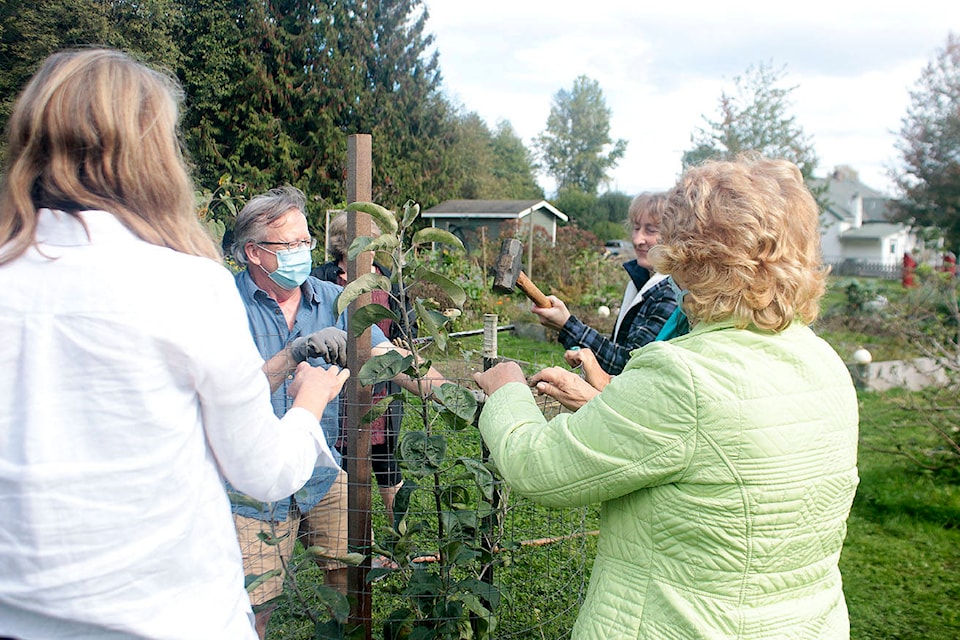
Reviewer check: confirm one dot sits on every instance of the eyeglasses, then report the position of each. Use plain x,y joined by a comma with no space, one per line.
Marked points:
294,244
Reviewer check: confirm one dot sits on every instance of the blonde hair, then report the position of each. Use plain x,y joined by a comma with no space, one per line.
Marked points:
95,129
649,203
743,238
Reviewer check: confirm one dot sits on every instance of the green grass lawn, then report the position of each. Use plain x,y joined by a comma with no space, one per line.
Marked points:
901,558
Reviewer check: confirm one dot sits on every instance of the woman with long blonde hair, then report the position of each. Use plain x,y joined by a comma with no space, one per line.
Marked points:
130,387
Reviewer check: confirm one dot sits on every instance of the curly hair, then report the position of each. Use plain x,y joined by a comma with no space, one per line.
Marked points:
742,237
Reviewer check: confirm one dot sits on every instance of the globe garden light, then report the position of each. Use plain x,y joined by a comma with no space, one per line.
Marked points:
861,360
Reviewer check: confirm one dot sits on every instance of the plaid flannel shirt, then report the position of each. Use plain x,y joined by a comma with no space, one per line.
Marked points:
640,325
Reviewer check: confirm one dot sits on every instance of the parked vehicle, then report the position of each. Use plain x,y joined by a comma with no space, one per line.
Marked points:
619,248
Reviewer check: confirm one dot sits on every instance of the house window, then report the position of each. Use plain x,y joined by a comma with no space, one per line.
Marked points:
893,248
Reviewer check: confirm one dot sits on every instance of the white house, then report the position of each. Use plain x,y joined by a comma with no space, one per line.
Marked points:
855,228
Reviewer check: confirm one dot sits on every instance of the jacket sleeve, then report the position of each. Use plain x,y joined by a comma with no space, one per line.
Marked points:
644,323
639,432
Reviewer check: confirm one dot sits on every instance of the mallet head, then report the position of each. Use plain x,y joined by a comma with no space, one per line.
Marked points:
509,265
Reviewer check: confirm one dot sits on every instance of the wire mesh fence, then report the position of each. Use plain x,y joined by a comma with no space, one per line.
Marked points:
462,555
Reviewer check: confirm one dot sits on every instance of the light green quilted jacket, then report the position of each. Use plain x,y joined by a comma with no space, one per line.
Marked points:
725,461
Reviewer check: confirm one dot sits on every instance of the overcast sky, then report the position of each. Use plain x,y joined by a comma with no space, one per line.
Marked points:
663,65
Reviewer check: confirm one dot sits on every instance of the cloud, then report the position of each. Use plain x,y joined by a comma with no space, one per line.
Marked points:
662,68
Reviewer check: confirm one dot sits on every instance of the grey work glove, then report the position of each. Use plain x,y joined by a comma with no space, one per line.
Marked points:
329,344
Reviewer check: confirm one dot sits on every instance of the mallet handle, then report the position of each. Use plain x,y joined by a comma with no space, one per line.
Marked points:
525,285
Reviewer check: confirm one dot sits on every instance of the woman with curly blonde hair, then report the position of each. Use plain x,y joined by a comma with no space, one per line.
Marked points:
725,459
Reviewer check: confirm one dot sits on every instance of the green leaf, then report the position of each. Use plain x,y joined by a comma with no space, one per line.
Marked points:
401,503
433,234
484,590
422,454
358,246
457,400
433,323
473,604
467,519
252,581
455,497
337,603
369,315
385,243
379,408
268,538
411,211
384,218
352,559
457,295
423,582
363,284
384,367
457,553
215,229
484,480
451,526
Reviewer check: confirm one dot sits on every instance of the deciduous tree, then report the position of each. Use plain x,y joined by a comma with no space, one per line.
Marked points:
514,166
929,147
576,148
756,118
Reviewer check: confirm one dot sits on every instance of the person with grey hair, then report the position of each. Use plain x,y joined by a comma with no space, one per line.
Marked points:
648,301
293,319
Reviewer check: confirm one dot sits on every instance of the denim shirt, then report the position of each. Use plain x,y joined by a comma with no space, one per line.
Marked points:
269,328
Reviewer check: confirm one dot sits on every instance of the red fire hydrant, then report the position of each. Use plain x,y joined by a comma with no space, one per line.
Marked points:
950,263
909,266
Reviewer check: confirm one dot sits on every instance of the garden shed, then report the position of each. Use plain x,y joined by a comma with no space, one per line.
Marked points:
475,220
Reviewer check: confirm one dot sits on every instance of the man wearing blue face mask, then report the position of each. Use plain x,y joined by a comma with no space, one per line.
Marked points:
293,318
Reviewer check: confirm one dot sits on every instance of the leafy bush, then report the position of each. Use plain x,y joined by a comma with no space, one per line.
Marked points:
928,318
856,313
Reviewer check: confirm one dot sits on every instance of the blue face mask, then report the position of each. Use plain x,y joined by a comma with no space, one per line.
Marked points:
293,267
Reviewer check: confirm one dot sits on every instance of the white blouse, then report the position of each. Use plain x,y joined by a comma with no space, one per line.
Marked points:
130,388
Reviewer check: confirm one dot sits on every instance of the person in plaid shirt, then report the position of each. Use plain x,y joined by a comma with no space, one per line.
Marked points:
647,301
